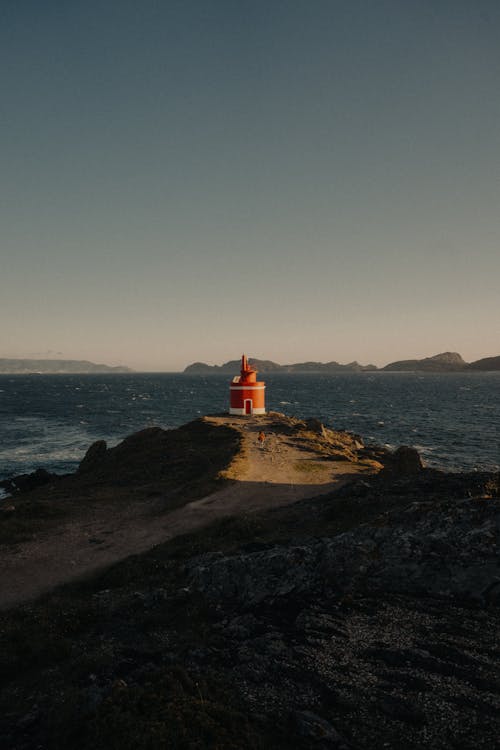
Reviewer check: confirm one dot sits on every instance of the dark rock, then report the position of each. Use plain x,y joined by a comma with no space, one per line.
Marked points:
492,594
447,551
401,710
93,457
29,719
314,425
405,461
358,488
28,482
319,622
241,627
408,681
313,727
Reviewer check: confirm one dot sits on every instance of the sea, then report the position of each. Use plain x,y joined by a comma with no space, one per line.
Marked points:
49,421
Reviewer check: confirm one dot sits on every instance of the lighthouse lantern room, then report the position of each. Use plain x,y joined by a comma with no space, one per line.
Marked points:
247,395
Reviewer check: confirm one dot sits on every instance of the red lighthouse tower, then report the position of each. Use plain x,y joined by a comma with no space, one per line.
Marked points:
247,395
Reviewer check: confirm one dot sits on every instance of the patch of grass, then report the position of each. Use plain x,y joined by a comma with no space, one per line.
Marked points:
307,467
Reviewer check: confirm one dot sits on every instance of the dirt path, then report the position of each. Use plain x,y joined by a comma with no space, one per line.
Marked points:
280,473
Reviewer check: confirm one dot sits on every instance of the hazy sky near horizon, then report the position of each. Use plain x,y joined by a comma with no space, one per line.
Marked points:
301,180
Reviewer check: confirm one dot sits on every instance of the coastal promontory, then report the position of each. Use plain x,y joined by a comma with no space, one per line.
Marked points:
310,592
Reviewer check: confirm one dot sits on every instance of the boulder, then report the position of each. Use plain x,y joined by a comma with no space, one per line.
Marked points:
405,461
27,482
314,425
93,457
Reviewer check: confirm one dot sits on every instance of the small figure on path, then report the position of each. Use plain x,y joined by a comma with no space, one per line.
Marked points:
261,439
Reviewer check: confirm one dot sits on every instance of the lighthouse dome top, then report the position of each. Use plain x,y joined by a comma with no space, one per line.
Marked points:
248,374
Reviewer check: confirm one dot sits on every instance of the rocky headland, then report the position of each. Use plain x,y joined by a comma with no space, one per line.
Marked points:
316,593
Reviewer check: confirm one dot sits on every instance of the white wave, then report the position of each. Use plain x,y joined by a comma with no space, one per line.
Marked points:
33,454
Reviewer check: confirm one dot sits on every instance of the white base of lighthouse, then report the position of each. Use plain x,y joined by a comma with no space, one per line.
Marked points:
243,413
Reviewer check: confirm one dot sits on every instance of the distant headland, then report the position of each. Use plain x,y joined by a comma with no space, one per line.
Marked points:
54,367
445,362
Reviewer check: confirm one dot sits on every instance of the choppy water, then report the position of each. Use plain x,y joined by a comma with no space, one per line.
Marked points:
50,420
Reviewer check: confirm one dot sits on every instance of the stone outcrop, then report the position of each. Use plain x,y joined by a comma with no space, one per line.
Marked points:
28,482
446,551
404,461
93,457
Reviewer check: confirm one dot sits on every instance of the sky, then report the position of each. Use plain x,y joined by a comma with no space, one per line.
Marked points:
301,180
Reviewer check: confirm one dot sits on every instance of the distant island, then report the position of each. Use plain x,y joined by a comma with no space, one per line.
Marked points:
444,362
265,365
54,367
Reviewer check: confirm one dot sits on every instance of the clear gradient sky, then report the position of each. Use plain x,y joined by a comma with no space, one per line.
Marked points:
299,180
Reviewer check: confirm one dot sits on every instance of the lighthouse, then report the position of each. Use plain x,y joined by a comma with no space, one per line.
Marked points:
247,394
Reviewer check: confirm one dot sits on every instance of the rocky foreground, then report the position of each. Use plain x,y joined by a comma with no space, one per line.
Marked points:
364,617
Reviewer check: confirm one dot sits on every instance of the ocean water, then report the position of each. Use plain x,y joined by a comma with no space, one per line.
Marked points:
50,420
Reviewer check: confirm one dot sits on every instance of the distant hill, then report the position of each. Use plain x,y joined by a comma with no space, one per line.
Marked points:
265,366
445,362
200,368
54,367
326,367
486,365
